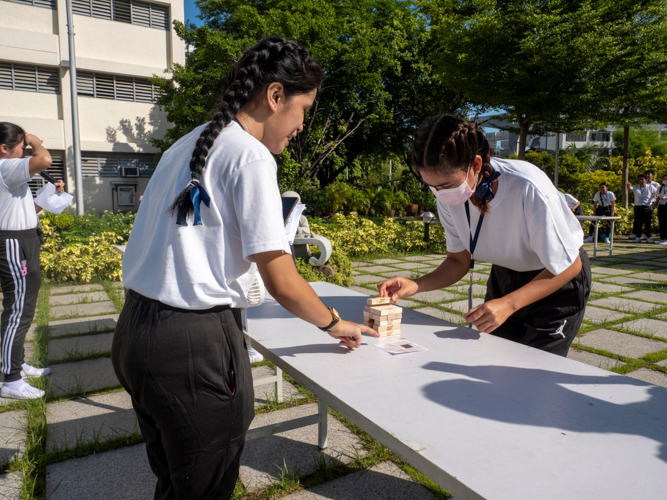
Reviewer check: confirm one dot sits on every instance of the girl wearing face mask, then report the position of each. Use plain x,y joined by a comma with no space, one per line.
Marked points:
508,213
662,211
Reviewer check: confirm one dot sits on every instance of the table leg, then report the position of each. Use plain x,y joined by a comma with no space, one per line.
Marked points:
595,241
279,384
611,238
323,430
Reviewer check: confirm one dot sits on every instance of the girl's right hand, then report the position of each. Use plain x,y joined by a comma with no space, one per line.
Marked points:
349,334
397,288
33,140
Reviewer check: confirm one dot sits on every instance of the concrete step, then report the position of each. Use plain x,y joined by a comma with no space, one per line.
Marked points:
77,298
78,310
86,420
77,326
61,290
384,481
264,458
264,393
122,474
12,435
82,376
80,346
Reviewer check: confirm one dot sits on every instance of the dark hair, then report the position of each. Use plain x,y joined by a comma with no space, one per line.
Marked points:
603,184
641,176
11,135
652,172
448,144
271,60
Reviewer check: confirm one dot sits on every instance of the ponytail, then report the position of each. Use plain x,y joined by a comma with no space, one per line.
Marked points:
11,135
271,60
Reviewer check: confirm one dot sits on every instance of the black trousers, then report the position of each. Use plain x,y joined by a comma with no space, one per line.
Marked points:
189,377
550,324
662,221
20,279
643,215
603,226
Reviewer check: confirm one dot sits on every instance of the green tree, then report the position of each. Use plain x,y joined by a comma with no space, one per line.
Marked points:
639,140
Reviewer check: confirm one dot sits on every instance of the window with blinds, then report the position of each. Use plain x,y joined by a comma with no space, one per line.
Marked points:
109,164
47,4
145,14
57,170
119,88
29,78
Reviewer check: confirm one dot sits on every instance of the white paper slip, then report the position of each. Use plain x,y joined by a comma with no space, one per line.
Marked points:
400,347
293,222
50,201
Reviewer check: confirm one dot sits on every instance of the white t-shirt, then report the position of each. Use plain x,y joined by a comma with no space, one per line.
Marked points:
570,200
644,196
656,185
528,226
199,267
17,209
604,200
662,192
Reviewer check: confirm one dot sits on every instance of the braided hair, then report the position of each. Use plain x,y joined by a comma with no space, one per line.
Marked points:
448,144
273,59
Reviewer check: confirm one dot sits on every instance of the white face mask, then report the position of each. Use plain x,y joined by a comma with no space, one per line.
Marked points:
455,196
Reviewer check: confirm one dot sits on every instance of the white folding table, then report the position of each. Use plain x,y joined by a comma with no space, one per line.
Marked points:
483,417
596,220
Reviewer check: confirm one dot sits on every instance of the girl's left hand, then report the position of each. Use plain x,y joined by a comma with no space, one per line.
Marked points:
60,187
490,315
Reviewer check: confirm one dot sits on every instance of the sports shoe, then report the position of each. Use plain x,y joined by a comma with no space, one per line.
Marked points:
638,240
632,237
255,357
20,390
31,371
588,240
606,240
662,242
649,240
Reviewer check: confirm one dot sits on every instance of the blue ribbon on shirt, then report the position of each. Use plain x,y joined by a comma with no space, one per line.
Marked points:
198,195
485,189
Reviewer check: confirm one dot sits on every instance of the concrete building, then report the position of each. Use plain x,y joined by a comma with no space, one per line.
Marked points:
119,45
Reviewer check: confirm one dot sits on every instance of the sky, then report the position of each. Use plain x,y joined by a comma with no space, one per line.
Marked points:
191,12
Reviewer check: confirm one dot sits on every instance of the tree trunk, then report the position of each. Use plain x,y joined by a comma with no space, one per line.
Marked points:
626,155
524,127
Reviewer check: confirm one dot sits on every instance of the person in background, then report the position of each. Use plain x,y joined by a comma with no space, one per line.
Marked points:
20,276
644,201
573,204
650,175
604,205
662,211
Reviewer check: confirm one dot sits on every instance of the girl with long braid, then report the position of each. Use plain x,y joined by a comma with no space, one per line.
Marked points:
508,213
192,256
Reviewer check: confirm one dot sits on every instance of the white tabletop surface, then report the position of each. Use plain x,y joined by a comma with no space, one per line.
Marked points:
481,416
597,217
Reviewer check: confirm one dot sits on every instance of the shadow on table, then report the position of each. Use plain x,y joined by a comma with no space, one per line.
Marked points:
328,348
493,395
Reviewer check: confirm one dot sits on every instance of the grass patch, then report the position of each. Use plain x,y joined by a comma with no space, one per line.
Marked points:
116,295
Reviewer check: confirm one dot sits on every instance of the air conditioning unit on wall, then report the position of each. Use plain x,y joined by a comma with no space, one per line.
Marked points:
129,171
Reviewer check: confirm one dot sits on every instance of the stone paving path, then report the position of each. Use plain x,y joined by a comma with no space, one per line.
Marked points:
92,434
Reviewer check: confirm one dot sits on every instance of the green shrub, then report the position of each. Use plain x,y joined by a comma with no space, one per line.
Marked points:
339,261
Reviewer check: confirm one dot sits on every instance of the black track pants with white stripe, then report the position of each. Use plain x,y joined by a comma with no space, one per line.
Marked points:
20,279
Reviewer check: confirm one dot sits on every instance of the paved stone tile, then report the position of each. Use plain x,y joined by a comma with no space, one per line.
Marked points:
623,344
662,363
368,278
597,315
78,298
609,270
263,458
410,265
623,304
386,261
594,359
435,263
650,376
651,276
83,310
629,280
30,336
365,291
648,296
77,326
360,264
384,481
29,352
416,258
476,289
599,287
267,391
10,486
12,435
84,420
60,290
118,285
440,314
436,256
649,326
435,296
80,346
462,305
122,474
639,267
403,274
87,375
377,269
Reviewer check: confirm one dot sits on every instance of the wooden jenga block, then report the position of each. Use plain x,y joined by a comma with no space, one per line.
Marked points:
386,328
384,310
378,300
383,321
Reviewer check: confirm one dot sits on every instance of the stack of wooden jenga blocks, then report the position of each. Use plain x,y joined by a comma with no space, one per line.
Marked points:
383,317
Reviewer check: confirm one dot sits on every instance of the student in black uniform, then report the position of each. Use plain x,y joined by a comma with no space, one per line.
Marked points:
193,255
508,213
662,211
20,276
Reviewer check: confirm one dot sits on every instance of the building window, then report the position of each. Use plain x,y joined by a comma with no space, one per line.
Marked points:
145,14
29,78
57,170
119,88
110,164
600,136
576,137
47,4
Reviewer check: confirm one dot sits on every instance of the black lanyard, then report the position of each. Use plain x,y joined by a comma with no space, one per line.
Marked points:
473,241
